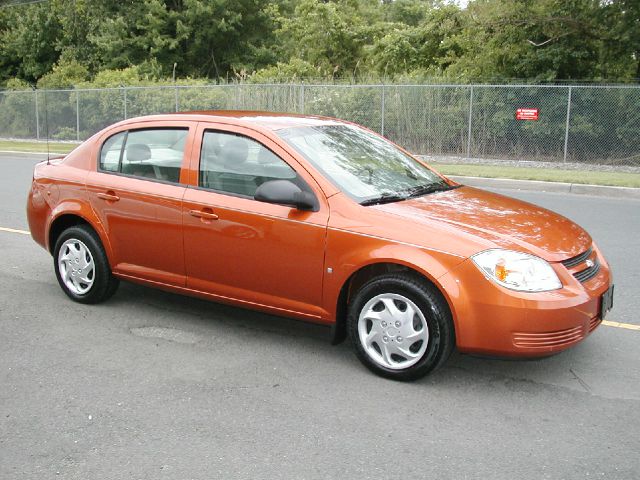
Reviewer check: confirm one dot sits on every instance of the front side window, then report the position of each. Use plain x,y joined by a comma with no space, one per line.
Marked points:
155,154
364,166
239,165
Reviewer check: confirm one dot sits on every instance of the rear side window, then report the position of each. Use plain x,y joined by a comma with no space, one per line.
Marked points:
110,153
154,154
238,165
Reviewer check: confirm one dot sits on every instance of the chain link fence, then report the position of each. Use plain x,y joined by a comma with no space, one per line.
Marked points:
578,124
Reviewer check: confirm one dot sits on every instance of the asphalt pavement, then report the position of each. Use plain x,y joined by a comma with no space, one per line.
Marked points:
151,385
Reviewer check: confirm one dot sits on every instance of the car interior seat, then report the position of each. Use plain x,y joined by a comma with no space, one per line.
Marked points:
136,155
235,178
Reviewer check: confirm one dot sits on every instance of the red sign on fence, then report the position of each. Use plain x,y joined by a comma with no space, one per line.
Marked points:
526,114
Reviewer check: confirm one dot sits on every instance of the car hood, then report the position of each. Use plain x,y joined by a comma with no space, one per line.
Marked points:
494,220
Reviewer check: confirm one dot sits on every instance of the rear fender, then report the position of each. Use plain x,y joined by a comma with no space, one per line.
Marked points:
84,211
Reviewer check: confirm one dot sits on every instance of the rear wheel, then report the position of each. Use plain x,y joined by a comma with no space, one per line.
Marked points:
400,326
82,267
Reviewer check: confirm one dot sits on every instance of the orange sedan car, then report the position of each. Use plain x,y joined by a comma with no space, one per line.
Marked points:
322,220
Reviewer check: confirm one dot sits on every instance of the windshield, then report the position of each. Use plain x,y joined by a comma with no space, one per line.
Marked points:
363,165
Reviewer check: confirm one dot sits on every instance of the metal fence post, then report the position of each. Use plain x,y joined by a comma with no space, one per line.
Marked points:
77,115
124,101
176,88
37,117
566,130
470,122
382,112
302,98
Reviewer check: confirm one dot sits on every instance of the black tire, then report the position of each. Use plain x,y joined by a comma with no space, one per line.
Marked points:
436,313
104,283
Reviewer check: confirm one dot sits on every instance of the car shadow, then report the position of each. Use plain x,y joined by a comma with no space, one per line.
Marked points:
461,370
207,313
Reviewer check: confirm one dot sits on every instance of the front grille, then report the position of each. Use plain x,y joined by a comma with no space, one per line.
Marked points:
578,259
549,339
584,266
594,322
589,272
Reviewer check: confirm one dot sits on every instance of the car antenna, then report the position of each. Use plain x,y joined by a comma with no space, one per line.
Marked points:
46,124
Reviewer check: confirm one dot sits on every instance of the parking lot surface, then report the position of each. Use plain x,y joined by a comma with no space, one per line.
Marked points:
151,385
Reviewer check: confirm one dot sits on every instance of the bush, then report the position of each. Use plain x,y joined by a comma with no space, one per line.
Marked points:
66,74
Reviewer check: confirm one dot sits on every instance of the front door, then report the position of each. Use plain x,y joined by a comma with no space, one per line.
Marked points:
245,250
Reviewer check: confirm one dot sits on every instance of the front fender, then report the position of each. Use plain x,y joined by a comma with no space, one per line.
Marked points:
348,252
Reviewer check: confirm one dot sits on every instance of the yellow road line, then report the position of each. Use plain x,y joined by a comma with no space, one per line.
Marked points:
13,230
628,326
608,323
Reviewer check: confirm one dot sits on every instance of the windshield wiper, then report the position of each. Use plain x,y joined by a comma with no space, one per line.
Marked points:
412,192
426,189
384,198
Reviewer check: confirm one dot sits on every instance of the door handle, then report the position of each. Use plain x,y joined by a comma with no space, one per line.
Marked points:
109,196
203,214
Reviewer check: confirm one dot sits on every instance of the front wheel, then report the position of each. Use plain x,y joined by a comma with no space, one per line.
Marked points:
401,326
82,267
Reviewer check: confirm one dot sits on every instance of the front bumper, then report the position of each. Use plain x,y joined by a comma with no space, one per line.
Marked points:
491,319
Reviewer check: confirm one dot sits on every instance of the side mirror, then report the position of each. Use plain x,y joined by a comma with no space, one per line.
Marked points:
285,192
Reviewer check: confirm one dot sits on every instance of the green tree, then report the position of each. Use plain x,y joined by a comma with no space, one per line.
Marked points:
495,40
203,38
28,38
621,46
328,35
543,40
429,46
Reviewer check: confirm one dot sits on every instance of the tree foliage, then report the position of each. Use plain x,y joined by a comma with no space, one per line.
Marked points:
65,42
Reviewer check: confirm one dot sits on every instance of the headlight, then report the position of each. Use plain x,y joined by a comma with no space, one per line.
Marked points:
517,271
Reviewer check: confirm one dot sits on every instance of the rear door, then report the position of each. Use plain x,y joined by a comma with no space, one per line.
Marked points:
239,248
137,190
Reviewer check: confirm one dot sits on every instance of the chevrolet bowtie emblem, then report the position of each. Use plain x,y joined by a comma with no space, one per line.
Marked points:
589,263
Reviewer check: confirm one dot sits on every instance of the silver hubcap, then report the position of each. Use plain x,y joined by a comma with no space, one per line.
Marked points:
393,331
76,266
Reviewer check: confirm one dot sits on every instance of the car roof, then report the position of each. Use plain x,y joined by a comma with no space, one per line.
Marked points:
269,120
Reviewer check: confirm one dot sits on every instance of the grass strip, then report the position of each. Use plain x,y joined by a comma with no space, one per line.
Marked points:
616,179
39,147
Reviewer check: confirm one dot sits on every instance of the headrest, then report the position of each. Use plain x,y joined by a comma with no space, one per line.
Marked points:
235,152
138,152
